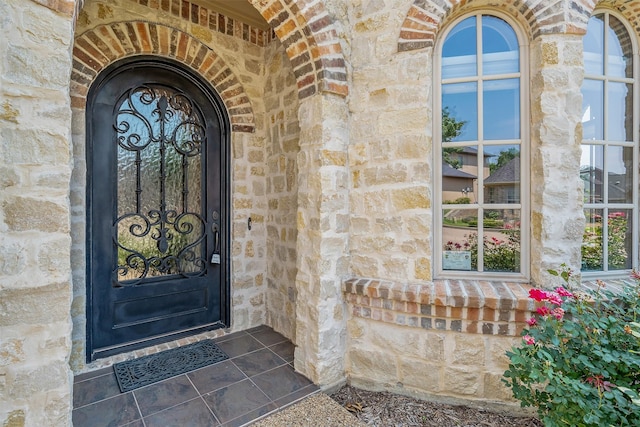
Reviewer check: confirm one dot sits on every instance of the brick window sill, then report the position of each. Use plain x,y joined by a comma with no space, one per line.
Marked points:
477,307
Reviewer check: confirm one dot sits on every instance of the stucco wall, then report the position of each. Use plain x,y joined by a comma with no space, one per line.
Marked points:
35,167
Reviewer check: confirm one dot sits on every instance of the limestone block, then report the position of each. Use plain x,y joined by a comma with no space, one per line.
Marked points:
25,381
495,389
423,376
377,366
434,347
468,350
396,339
53,258
14,258
423,269
34,147
410,198
463,381
390,122
46,69
36,305
11,351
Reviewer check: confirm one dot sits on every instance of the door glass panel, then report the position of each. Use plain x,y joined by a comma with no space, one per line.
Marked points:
502,240
160,226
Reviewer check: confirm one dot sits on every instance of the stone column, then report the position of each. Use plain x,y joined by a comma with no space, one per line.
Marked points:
322,246
556,188
35,169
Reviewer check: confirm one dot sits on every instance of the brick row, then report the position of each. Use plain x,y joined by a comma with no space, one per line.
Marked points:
424,18
101,46
482,307
215,21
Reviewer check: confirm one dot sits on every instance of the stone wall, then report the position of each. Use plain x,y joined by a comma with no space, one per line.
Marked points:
281,187
408,332
35,168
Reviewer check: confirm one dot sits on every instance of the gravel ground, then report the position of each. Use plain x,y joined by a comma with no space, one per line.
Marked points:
318,410
381,409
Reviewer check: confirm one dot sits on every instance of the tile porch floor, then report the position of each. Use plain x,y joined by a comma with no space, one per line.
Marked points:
257,379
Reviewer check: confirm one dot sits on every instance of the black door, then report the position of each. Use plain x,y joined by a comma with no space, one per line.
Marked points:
157,231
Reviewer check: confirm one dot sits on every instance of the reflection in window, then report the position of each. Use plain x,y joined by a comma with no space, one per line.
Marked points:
608,166
480,151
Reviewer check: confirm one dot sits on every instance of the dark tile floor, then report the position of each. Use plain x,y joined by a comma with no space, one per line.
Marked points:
257,379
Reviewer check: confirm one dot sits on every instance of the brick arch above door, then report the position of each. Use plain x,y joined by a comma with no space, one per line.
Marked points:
95,49
310,36
425,17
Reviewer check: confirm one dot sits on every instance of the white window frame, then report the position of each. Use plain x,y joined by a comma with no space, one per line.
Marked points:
633,206
524,143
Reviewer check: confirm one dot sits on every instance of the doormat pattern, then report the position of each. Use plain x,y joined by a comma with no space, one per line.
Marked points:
145,370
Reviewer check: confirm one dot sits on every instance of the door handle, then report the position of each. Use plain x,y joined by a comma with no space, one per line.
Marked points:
215,257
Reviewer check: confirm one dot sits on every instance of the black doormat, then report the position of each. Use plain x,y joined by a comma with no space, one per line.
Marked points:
149,369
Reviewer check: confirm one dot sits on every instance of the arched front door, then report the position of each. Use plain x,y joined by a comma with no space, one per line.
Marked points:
157,232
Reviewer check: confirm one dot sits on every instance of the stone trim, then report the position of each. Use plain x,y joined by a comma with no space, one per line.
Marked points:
210,19
311,40
95,49
425,17
476,307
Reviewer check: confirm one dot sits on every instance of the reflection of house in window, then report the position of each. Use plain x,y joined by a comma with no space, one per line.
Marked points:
503,185
593,179
458,180
456,183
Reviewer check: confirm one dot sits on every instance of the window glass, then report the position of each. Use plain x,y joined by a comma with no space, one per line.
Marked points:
460,112
608,166
502,174
619,111
593,43
501,109
500,50
459,51
592,107
481,211
620,50
502,240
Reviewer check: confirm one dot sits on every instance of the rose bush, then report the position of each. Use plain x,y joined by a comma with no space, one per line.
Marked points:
579,360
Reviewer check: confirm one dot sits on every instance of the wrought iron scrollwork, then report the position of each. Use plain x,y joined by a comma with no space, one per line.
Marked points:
161,134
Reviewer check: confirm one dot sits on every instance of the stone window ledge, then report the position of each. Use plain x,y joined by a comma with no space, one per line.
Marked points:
478,307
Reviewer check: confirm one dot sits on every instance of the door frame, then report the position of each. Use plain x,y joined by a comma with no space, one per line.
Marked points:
150,61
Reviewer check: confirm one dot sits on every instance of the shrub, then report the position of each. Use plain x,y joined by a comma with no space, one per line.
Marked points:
579,360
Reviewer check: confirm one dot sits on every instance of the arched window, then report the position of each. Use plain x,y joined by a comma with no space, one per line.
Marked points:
482,216
609,160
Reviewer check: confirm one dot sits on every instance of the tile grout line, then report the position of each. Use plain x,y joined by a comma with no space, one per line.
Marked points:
204,401
138,407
